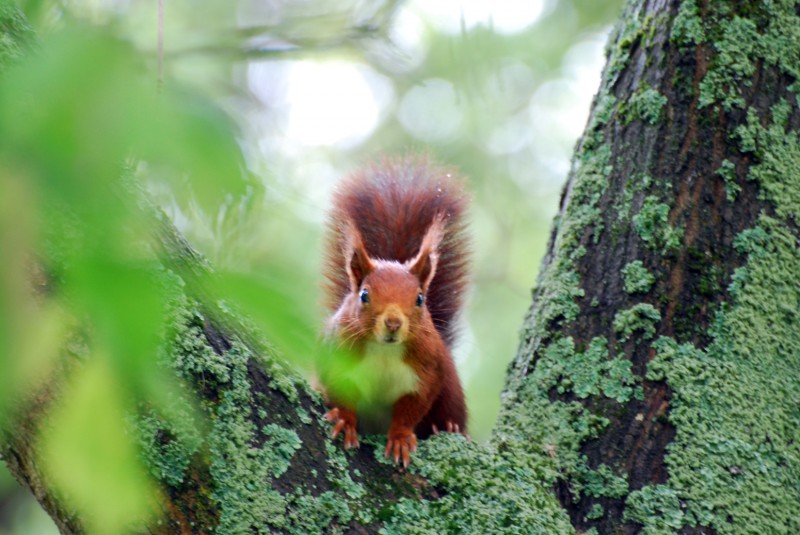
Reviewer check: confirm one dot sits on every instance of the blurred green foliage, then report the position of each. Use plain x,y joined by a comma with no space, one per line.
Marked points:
89,139
79,274
90,458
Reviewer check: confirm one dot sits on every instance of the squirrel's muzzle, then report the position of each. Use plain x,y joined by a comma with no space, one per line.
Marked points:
393,324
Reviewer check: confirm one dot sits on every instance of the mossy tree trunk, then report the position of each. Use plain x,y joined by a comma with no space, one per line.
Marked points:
667,311
656,385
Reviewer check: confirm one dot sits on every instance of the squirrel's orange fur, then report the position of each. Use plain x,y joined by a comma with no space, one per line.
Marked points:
397,273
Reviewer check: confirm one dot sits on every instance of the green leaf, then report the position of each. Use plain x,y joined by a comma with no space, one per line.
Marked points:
270,301
89,457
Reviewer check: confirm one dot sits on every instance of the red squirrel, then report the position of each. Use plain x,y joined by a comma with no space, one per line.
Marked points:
397,259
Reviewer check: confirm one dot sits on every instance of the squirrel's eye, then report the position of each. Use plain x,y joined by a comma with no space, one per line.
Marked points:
364,296
420,299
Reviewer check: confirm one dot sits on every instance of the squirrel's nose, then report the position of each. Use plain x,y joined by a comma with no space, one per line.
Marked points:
392,324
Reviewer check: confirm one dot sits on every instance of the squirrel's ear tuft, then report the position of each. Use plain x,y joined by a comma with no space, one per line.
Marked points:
357,261
423,266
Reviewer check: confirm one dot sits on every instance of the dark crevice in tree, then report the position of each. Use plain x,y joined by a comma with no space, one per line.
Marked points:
216,339
310,461
189,505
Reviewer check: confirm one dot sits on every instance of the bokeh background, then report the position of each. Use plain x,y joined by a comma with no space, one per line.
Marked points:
499,89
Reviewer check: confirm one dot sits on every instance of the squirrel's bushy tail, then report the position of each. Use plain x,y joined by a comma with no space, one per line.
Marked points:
392,203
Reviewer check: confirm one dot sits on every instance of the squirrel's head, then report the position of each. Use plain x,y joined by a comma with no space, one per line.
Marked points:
389,295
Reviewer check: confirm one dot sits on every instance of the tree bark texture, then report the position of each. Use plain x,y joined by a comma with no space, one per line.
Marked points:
668,304
655,388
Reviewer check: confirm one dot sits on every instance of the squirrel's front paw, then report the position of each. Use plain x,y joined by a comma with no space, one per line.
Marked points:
400,444
343,420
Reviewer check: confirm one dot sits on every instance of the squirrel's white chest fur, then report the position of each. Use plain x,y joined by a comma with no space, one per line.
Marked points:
389,378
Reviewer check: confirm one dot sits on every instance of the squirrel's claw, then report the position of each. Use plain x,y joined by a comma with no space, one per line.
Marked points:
350,437
343,420
453,427
400,445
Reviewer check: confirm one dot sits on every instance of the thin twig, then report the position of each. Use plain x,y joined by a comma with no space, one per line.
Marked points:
160,44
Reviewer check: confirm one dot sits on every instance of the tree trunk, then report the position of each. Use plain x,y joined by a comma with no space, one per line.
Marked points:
667,311
656,383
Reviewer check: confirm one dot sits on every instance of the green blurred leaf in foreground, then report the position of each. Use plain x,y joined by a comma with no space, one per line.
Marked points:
270,302
90,458
76,113
72,113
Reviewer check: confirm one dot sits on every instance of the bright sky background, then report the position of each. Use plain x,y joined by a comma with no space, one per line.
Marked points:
339,103
505,16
